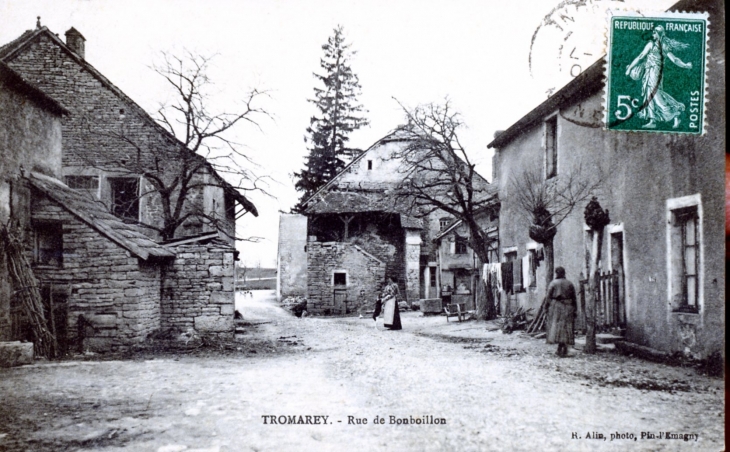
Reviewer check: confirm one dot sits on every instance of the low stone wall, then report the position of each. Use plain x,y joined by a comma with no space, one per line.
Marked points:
365,275
117,293
198,290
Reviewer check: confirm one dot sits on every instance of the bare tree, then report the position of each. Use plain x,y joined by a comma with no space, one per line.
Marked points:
548,202
438,175
198,151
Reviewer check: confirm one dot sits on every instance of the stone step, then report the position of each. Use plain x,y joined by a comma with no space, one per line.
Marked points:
606,338
580,344
16,353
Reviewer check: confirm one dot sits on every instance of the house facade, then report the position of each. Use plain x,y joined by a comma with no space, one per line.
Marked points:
105,278
664,195
459,272
358,216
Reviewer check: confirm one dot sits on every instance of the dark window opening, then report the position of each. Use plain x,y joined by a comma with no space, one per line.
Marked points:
125,198
443,223
48,244
370,164
551,147
461,245
432,277
82,182
340,279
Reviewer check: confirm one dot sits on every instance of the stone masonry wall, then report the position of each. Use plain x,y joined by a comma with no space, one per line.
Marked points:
198,291
291,262
116,292
99,114
365,276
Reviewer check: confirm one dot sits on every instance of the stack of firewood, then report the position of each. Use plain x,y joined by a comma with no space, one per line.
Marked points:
27,291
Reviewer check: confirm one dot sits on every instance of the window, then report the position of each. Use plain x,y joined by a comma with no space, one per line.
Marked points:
83,182
432,277
551,147
340,279
444,223
686,258
48,244
125,197
370,165
461,245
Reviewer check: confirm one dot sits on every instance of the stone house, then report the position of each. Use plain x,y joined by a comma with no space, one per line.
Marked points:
664,195
356,216
109,280
110,141
458,268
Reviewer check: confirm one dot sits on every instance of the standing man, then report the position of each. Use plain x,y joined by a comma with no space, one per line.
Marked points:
562,304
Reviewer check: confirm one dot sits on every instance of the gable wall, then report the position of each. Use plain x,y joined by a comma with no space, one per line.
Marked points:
98,116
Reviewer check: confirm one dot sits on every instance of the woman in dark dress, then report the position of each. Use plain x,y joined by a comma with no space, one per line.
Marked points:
562,304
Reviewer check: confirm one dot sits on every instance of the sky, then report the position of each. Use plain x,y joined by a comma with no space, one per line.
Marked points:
494,60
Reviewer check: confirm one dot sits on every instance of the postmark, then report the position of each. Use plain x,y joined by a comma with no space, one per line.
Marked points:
656,72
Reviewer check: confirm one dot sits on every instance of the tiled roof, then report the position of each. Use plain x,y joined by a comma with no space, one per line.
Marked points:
96,215
352,202
363,202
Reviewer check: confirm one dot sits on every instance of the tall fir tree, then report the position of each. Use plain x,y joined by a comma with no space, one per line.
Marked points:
338,114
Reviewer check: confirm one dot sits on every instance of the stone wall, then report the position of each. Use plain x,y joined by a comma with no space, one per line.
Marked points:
365,276
198,290
291,264
117,293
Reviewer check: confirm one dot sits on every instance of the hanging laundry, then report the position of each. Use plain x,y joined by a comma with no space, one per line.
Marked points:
527,275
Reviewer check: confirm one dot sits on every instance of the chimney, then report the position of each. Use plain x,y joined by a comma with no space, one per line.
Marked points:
75,41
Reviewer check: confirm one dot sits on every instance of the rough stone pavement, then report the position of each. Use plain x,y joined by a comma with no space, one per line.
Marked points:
496,392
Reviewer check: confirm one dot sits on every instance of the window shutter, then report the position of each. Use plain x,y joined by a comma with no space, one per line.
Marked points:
517,275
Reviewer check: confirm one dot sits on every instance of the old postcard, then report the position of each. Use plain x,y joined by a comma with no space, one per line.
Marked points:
386,225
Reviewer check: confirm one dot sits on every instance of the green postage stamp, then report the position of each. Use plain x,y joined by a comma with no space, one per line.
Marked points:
655,72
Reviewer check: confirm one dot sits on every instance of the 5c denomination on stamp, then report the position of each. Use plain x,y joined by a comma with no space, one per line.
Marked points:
655,72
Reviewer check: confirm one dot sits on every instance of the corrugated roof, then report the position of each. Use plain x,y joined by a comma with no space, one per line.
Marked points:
95,214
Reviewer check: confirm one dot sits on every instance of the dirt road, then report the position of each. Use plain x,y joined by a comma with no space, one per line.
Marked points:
328,380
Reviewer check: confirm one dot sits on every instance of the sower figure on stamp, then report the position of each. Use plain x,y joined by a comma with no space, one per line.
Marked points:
649,67
562,303
389,297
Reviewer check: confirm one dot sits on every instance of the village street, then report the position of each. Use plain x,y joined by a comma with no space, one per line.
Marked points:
495,392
